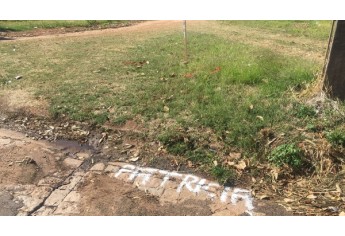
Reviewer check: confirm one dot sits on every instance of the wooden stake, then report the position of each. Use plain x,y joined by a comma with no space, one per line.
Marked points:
185,41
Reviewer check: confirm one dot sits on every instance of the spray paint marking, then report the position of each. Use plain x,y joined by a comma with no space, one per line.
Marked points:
192,183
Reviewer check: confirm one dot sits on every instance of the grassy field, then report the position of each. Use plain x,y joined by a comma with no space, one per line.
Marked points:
24,25
244,94
309,29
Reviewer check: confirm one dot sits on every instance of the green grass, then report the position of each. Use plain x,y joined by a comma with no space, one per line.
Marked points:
236,89
288,154
336,137
23,25
312,29
219,100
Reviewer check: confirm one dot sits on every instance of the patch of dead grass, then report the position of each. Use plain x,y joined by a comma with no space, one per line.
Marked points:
12,101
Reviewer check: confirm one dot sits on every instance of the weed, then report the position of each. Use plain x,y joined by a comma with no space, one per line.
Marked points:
336,137
176,143
314,127
122,119
224,176
101,118
200,156
92,22
304,111
288,154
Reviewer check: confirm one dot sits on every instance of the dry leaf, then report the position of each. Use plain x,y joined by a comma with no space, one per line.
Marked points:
311,196
136,153
253,180
234,155
251,107
288,200
231,163
188,75
104,136
301,183
342,213
217,69
260,118
275,174
241,165
128,146
190,164
332,209
166,109
328,195
338,188
215,163
134,159
264,197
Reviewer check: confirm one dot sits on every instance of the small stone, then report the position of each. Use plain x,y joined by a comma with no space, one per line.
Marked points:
155,191
19,77
70,162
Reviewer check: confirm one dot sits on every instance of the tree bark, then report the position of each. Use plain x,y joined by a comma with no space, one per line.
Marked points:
334,75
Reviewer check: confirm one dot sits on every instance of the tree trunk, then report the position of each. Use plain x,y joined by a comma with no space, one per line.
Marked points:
334,73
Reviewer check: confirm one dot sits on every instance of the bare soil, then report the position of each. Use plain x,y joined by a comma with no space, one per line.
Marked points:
25,162
104,196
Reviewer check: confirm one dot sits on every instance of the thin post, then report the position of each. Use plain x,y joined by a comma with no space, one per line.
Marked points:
185,41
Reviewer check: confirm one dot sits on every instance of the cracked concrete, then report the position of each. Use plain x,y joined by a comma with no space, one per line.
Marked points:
33,181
